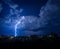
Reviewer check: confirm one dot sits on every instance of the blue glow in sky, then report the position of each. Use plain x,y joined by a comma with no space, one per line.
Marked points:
21,18
18,23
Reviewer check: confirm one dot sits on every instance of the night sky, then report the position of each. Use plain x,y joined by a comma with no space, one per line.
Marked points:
29,17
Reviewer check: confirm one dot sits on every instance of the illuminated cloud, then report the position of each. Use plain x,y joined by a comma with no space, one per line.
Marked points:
49,13
50,17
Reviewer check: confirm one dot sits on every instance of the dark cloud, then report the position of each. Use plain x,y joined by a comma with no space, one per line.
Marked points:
1,8
49,14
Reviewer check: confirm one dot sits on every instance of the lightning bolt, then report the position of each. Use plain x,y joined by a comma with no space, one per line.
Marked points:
19,22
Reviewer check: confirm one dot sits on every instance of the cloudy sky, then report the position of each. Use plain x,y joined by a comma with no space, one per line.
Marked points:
23,17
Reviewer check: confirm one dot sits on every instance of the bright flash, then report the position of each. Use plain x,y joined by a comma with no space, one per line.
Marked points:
19,22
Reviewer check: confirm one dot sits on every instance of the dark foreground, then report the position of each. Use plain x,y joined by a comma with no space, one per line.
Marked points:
48,41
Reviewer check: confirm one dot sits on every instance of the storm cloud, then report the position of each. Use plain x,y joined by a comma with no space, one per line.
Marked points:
50,14
48,20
